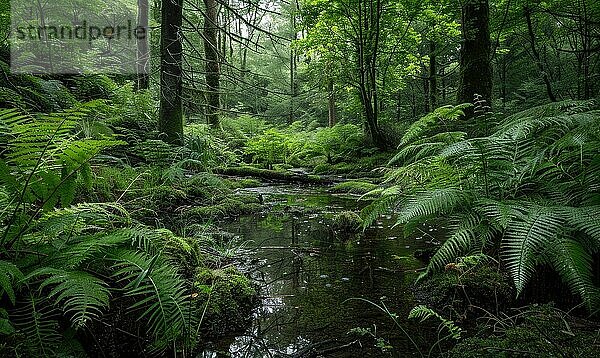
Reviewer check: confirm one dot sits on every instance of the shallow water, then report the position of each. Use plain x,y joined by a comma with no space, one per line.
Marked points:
313,286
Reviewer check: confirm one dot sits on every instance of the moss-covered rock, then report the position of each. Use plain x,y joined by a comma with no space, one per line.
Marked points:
461,293
227,297
346,225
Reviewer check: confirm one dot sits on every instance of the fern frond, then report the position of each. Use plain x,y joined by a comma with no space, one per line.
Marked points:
384,204
574,265
442,115
159,291
9,275
434,202
81,295
469,235
423,313
37,322
525,239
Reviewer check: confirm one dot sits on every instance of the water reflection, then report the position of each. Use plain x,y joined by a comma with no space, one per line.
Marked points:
306,278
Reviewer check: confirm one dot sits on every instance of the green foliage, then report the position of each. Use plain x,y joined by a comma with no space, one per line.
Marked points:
529,188
73,262
269,148
530,331
306,147
424,313
439,118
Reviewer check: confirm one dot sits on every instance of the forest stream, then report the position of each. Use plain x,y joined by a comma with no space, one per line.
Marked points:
313,286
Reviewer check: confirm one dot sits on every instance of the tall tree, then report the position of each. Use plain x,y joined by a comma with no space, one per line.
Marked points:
213,67
170,121
143,48
475,67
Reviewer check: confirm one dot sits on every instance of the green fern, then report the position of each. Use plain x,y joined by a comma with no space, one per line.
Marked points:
423,313
159,291
441,116
531,188
81,295
10,275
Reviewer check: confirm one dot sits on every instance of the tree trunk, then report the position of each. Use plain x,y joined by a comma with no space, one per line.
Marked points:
143,49
426,93
475,67
536,55
293,64
332,114
170,121
211,52
433,87
369,21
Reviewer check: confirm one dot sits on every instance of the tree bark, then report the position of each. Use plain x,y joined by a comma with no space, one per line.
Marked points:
211,52
475,67
143,48
367,46
170,121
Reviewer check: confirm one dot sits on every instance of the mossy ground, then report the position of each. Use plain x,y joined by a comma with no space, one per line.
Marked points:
482,301
538,331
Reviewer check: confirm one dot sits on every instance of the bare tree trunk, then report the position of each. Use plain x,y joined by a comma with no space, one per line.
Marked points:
369,17
536,54
211,52
426,92
475,68
170,121
143,49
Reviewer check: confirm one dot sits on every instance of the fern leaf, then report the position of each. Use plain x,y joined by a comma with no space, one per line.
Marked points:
524,241
82,295
9,275
574,264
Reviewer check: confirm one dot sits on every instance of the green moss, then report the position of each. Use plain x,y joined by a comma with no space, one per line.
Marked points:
456,292
227,297
346,224
354,187
539,332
